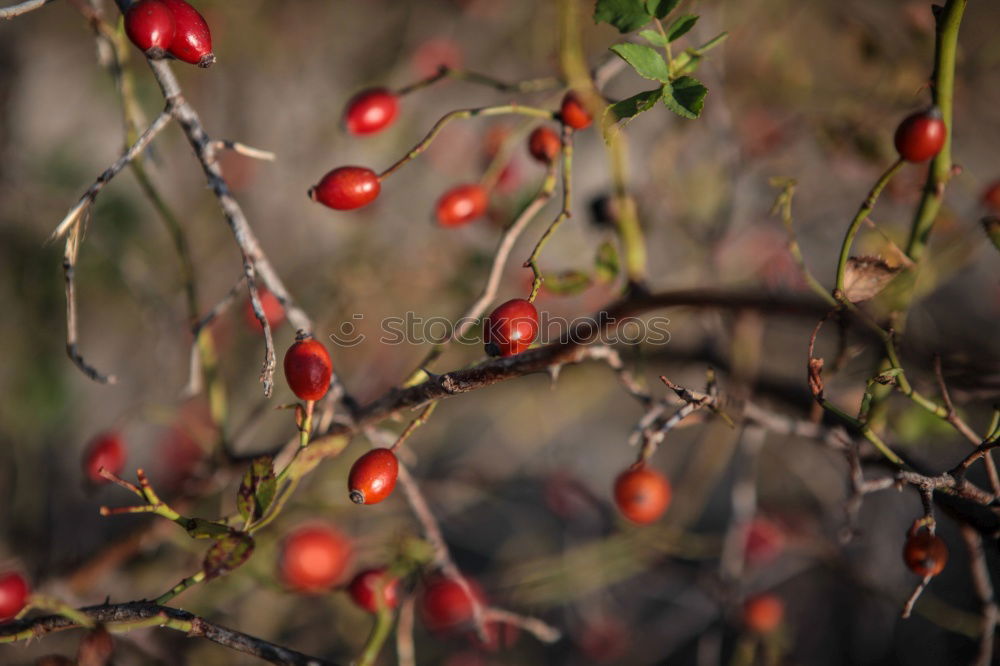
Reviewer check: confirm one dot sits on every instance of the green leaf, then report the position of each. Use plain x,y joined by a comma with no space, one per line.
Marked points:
227,554
629,108
654,37
646,61
567,283
660,8
680,27
626,15
257,490
199,528
685,96
606,263
327,446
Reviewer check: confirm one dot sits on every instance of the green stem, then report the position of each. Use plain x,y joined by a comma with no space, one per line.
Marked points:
852,230
188,582
376,639
567,179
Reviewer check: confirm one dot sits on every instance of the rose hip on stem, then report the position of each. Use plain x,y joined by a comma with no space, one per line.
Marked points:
921,135
544,144
510,328
371,111
925,554
373,476
364,589
313,558
308,368
192,42
574,113
104,451
347,188
446,605
13,594
642,494
150,25
461,204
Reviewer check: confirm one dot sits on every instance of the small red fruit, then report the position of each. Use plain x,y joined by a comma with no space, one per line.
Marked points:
13,594
364,589
574,113
765,540
308,368
925,554
446,605
461,204
373,476
313,558
762,614
192,40
921,135
991,197
150,25
273,310
107,451
347,188
544,144
371,111
511,328
642,494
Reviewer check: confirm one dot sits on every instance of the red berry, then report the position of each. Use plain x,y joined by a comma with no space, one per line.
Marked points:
461,204
347,188
313,558
765,540
273,310
365,586
13,594
762,614
151,26
308,368
511,328
446,605
991,197
192,41
574,113
373,476
371,111
925,554
544,144
107,451
642,494
921,135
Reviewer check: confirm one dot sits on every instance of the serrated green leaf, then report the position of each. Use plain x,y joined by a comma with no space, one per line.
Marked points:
681,26
606,263
685,96
626,15
567,283
629,108
256,491
660,8
646,61
654,37
227,554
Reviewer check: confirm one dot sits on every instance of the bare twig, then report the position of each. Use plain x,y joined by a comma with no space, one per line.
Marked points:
243,149
984,592
912,600
406,655
141,614
7,13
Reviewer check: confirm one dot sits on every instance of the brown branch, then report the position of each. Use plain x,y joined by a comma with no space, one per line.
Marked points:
984,592
7,13
961,426
137,614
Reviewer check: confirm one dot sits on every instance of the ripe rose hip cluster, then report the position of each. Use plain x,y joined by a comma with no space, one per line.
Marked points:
170,27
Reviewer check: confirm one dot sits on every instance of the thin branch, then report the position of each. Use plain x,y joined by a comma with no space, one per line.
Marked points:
7,13
912,600
141,614
984,592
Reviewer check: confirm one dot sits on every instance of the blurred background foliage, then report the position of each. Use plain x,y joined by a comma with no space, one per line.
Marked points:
518,474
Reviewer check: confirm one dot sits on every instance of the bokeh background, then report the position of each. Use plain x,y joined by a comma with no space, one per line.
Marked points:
519,474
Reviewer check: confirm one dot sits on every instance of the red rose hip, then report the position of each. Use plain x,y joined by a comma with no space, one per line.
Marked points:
347,188
373,476
446,604
150,25
642,494
364,589
107,451
460,205
921,135
763,614
371,111
574,113
511,328
313,558
544,144
192,40
13,594
308,368
925,554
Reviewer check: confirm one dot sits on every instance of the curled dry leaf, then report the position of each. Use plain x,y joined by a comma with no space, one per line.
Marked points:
816,377
865,277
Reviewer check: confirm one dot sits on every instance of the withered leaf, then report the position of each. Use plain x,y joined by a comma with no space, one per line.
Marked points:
865,277
227,554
